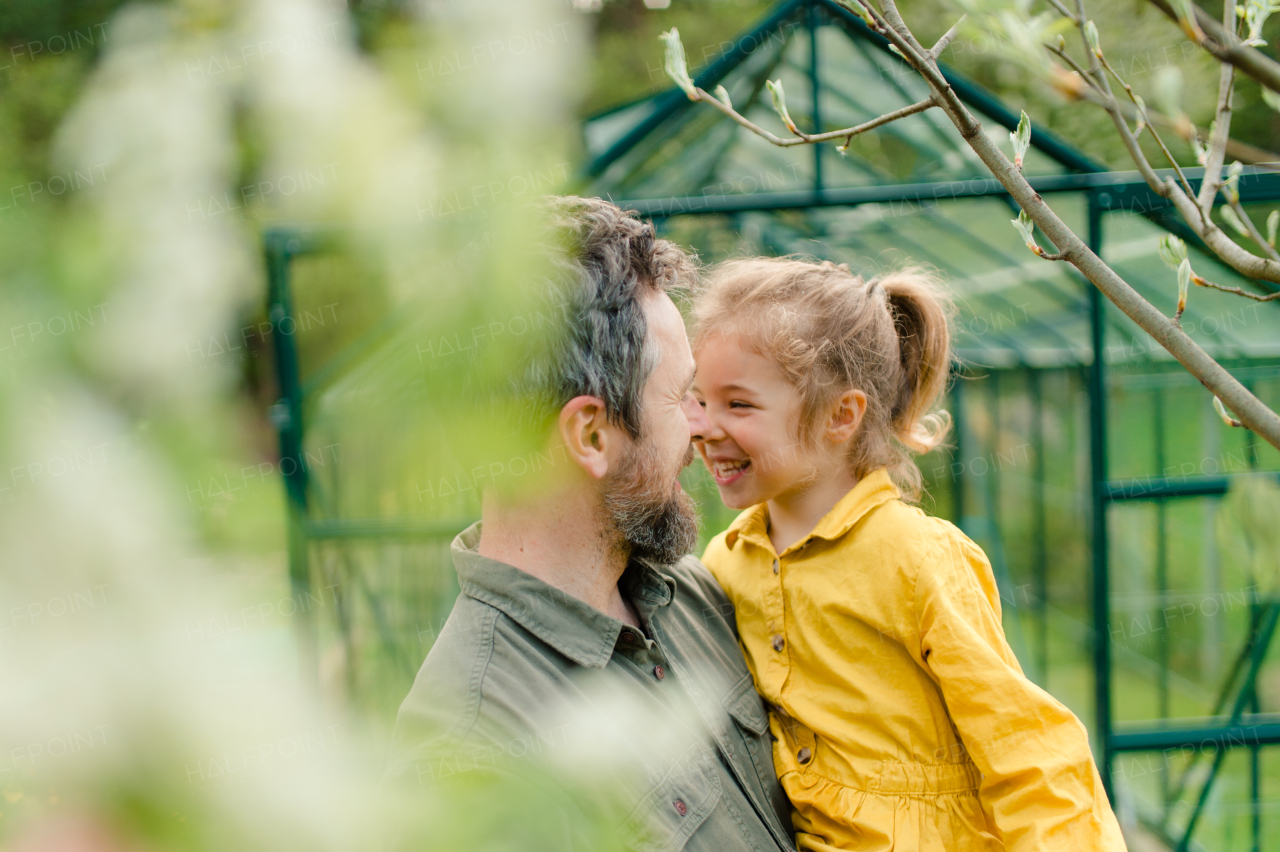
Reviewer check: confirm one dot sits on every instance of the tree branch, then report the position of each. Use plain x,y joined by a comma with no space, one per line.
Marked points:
1098,74
1166,331
1270,297
1131,142
807,138
1227,49
1064,11
1075,66
947,37
1212,180
1231,253
1254,234
1183,198
1248,154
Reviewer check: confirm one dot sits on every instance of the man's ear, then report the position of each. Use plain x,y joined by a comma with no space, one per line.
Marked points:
584,429
847,415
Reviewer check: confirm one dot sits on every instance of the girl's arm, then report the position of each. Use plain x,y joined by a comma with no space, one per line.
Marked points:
1040,784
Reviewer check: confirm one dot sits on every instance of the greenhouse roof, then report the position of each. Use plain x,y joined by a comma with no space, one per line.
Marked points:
909,192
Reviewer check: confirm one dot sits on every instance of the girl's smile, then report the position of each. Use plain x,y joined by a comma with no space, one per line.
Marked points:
752,445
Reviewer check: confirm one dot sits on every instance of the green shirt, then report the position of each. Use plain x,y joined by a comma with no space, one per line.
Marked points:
520,668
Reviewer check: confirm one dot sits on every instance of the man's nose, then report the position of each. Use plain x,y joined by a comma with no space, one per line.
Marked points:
699,425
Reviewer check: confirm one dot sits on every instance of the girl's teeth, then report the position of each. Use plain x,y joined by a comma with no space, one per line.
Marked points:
727,469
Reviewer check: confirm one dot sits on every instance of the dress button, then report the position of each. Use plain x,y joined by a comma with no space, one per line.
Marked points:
805,755
778,642
681,807
628,636
658,672
776,567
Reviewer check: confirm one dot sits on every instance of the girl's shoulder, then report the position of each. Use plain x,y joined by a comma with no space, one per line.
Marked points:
910,528
929,552
914,540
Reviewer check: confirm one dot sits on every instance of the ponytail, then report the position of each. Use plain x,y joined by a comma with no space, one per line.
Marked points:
920,318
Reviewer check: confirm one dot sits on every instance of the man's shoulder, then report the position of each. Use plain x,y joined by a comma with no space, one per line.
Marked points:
443,703
477,689
480,656
695,585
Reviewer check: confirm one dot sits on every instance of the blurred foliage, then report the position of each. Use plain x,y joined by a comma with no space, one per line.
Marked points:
133,192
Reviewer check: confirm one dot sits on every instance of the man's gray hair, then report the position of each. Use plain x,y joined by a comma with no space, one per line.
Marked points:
605,262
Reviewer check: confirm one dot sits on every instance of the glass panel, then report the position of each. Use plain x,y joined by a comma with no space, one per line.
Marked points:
699,152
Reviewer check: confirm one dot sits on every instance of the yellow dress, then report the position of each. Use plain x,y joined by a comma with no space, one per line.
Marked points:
901,716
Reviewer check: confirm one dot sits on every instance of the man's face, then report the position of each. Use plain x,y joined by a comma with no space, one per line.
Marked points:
644,504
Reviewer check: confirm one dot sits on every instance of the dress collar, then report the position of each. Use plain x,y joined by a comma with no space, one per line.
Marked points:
871,491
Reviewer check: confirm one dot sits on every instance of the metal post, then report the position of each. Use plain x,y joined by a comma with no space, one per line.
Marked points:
811,19
1255,776
1162,585
1040,565
1255,768
1098,476
286,414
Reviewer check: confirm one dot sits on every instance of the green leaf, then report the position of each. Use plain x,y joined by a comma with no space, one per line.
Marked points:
1232,184
1168,86
1198,149
1142,115
1184,283
1271,99
675,65
859,10
1273,222
1229,216
1027,228
1222,412
780,103
1021,139
1091,33
1185,11
1173,251
722,95
1255,14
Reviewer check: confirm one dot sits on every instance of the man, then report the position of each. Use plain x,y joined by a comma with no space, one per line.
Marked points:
579,605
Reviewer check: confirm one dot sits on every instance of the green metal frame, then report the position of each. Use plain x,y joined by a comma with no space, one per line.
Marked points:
281,245
1106,192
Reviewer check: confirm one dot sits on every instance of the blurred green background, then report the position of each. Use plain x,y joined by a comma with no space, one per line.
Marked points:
199,406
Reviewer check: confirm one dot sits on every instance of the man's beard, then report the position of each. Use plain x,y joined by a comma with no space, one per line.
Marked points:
645,514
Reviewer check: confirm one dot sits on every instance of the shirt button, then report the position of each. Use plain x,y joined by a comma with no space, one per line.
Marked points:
658,672
805,755
778,642
681,807
776,567
628,636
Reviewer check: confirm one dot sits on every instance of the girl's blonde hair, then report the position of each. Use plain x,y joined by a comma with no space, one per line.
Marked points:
830,331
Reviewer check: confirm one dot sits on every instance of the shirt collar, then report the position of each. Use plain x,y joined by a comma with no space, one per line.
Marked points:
573,627
871,491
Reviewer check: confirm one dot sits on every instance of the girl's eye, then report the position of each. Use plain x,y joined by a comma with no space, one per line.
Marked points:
737,403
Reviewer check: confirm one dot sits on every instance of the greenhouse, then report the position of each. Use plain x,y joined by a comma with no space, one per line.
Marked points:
1119,512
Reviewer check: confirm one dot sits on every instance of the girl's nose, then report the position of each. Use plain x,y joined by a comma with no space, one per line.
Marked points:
699,425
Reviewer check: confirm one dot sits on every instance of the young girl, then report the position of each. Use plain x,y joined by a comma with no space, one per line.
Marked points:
900,716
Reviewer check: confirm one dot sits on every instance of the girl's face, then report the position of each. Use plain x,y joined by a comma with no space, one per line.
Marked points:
750,443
